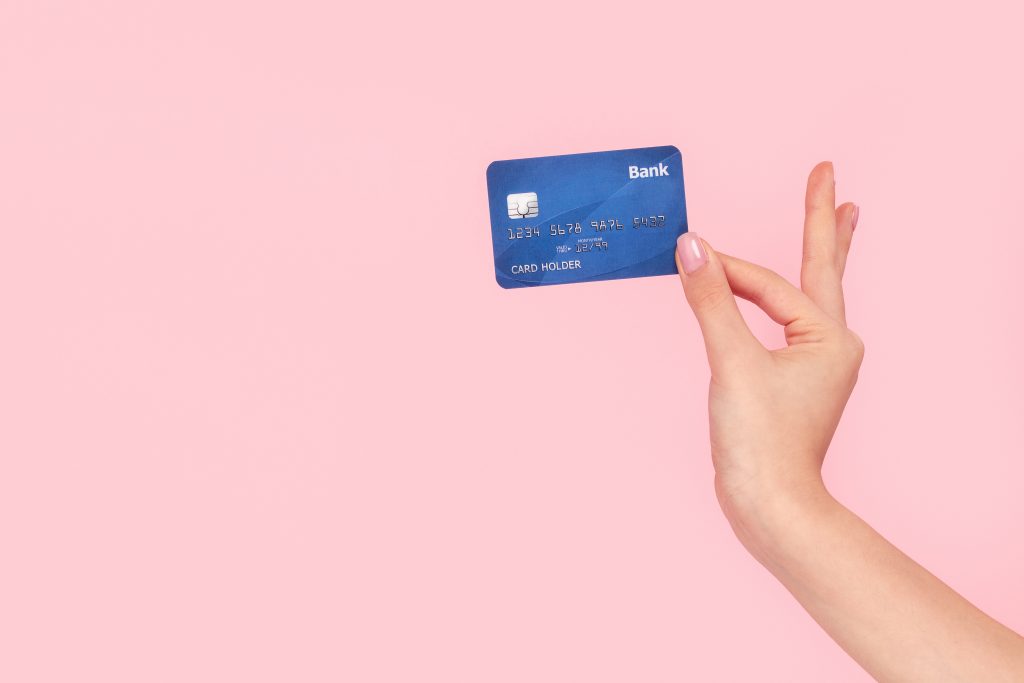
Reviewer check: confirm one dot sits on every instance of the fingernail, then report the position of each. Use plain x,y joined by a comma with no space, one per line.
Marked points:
856,215
691,252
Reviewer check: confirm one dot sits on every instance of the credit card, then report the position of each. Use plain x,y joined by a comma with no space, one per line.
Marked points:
585,217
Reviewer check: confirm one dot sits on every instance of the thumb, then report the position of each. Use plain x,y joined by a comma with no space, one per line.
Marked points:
726,335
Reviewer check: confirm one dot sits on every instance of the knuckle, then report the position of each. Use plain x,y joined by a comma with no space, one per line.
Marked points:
854,346
711,297
803,331
763,293
821,260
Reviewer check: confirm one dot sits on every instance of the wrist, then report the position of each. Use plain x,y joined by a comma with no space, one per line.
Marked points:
770,517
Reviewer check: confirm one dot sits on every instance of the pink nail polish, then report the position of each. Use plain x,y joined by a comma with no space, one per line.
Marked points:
856,216
691,252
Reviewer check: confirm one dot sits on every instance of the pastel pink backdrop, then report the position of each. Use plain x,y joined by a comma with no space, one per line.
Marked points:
266,415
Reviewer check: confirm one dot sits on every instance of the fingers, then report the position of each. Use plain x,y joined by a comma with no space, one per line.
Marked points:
820,276
772,293
846,222
726,335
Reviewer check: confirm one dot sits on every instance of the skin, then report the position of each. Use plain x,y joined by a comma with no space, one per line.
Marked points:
773,414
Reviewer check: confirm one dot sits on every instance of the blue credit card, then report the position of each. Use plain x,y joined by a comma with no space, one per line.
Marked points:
584,217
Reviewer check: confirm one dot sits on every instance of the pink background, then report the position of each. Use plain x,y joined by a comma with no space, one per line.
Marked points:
265,414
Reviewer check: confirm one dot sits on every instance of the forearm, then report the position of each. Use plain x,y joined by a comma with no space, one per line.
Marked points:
895,618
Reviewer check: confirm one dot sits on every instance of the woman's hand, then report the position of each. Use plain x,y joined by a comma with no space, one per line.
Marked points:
773,413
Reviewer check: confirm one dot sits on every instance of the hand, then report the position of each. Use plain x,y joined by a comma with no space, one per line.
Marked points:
773,413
